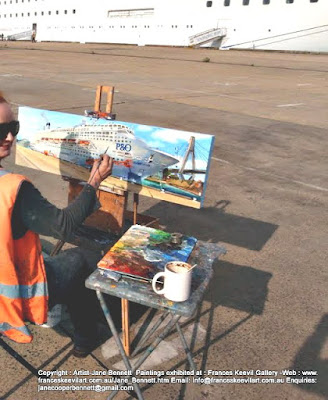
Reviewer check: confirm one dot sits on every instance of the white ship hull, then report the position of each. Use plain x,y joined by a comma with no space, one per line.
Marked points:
299,25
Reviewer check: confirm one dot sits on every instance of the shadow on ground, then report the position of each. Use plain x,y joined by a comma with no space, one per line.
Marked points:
309,358
214,224
239,287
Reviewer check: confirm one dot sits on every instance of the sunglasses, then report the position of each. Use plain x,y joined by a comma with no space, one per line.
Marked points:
6,127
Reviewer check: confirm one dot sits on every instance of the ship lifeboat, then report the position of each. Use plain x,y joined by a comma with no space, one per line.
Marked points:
125,163
89,161
46,152
83,142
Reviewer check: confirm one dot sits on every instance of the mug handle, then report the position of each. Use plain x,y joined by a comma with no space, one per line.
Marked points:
158,275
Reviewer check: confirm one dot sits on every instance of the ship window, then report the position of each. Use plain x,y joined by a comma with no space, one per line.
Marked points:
313,1
209,4
226,3
266,1
65,12
49,12
35,13
289,1
245,2
42,13
57,12
74,11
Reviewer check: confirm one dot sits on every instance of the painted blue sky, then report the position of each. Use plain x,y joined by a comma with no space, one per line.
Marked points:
174,142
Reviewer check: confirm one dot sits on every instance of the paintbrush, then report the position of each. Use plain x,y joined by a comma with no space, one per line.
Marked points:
192,267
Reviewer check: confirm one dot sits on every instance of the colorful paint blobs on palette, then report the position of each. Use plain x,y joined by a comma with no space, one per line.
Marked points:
143,251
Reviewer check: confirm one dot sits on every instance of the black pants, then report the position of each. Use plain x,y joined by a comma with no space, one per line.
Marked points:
66,275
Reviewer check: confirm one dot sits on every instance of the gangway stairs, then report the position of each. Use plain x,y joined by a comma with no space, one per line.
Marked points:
20,35
207,36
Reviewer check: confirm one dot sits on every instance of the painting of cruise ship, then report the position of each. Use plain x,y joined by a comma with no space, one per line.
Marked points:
287,25
162,163
81,145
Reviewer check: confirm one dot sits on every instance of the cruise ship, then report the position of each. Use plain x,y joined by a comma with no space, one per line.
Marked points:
285,25
81,145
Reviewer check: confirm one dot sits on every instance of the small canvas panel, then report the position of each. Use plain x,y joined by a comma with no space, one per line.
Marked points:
142,252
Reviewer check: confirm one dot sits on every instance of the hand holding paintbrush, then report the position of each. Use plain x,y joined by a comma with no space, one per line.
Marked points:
101,169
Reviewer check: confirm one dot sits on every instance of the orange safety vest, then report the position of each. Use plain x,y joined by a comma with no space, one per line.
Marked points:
23,282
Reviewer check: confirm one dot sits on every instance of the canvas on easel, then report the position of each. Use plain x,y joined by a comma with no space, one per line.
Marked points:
165,164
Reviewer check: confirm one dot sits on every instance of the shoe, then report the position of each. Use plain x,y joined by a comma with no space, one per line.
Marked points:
81,351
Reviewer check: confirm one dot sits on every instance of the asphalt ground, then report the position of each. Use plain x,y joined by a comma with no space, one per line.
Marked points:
266,202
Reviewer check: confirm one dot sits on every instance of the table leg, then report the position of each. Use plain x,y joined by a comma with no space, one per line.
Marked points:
151,348
156,342
118,343
186,347
152,330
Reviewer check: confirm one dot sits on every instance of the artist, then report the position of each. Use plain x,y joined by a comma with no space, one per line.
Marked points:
29,287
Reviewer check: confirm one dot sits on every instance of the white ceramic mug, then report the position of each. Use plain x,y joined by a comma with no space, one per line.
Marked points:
177,281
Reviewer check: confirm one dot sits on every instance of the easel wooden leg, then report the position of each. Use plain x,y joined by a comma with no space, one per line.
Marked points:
135,207
126,326
110,96
58,246
124,302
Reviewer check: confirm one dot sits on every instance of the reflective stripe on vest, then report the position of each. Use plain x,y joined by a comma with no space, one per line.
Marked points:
6,327
25,291
21,333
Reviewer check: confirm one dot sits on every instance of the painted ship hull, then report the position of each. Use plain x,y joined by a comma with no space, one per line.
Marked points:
133,158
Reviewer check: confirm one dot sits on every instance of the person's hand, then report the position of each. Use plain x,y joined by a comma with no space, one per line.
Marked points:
101,169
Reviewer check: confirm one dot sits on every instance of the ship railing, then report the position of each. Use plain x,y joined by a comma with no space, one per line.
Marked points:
207,36
20,35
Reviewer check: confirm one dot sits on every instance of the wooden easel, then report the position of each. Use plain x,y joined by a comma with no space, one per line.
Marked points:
109,103
113,212
120,209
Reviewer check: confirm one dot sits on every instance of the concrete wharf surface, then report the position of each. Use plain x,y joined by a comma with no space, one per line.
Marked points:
266,202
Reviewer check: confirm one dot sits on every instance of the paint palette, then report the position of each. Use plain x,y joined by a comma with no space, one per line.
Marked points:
142,252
